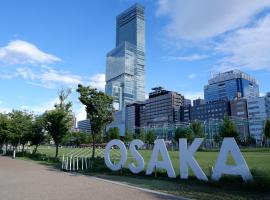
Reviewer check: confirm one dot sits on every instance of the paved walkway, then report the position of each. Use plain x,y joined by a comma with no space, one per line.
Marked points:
25,180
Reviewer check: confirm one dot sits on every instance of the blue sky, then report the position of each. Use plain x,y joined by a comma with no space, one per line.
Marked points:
46,45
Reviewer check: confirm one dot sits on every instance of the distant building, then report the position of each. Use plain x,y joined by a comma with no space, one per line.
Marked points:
125,65
226,86
84,126
125,68
162,108
216,110
239,114
267,105
256,114
198,102
187,102
133,117
74,122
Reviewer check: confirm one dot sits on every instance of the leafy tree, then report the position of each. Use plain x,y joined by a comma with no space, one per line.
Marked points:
197,129
81,138
150,137
128,136
113,133
99,109
4,120
59,121
189,135
179,133
228,129
19,127
183,133
217,138
267,130
38,132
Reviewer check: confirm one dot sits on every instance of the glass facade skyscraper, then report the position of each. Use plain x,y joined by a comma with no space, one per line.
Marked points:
125,73
229,85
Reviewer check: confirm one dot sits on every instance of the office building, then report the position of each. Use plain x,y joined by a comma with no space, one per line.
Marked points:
215,110
133,117
84,126
162,108
125,72
239,114
256,115
267,105
198,102
226,86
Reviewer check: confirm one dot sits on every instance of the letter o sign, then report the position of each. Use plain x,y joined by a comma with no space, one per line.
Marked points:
123,150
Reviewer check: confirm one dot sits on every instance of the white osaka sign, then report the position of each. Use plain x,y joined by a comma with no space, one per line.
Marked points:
186,159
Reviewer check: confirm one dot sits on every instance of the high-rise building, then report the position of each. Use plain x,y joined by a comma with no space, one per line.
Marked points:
125,80
239,114
215,110
228,85
84,126
256,115
133,117
198,102
162,108
267,105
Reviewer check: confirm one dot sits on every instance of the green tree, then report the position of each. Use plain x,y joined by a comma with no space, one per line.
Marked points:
59,121
150,137
179,133
197,129
38,132
4,120
81,138
267,130
19,127
113,133
228,129
128,136
99,109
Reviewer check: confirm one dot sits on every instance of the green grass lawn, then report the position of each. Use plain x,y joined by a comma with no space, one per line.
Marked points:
258,160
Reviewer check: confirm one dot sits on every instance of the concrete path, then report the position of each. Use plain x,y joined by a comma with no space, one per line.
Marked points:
26,180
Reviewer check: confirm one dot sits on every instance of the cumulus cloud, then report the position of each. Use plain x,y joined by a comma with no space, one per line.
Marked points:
247,47
199,20
98,81
22,52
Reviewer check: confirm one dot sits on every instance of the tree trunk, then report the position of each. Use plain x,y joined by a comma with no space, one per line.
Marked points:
56,151
94,146
35,150
23,147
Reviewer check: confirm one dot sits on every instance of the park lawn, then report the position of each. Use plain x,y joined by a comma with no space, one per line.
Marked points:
257,159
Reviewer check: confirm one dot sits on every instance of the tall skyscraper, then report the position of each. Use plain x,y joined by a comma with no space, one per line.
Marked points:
229,85
125,71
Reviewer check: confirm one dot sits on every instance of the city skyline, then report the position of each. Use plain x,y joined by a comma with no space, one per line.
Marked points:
36,57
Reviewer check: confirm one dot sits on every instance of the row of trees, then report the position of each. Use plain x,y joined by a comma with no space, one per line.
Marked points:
20,127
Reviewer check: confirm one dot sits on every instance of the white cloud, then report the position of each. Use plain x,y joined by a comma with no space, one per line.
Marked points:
192,76
98,81
193,95
22,52
193,57
80,114
198,20
247,47
59,77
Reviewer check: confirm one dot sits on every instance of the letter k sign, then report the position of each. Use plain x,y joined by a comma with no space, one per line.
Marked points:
187,159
